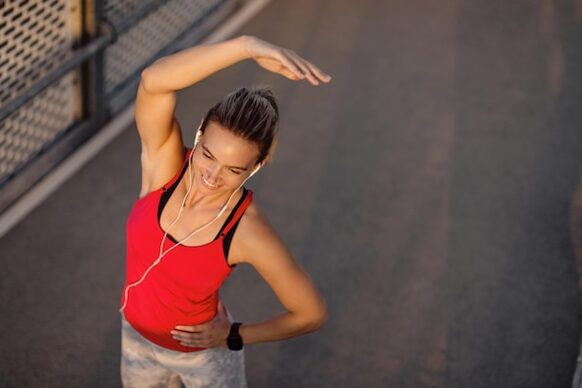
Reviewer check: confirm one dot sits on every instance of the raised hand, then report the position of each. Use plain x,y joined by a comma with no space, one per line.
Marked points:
283,61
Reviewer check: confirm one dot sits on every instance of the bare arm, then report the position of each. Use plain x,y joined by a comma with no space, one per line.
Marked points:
187,67
160,134
306,311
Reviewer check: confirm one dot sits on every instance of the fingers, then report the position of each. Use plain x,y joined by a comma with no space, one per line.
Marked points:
283,61
210,334
313,74
199,340
265,52
289,74
190,329
319,74
290,65
302,65
191,339
181,336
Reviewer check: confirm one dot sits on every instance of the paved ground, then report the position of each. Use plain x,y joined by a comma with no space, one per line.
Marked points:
432,191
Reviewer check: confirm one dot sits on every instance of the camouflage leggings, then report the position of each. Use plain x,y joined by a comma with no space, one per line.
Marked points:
147,365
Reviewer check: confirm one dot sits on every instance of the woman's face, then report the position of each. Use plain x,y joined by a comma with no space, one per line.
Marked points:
222,160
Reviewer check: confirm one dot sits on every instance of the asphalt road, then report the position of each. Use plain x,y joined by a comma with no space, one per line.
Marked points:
432,191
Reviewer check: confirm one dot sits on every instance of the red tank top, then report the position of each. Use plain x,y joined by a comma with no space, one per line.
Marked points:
183,288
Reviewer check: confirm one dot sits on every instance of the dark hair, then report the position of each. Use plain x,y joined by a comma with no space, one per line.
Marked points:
251,113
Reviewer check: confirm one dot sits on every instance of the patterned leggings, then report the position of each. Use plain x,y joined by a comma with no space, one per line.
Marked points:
147,365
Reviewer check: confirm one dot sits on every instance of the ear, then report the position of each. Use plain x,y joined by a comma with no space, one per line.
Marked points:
257,168
197,138
198,133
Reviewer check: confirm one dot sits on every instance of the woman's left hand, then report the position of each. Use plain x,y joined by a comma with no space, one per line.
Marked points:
283,61
206,335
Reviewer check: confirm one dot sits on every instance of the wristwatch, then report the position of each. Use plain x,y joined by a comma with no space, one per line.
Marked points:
234,340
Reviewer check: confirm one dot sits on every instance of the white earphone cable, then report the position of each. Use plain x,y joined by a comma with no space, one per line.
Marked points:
162,253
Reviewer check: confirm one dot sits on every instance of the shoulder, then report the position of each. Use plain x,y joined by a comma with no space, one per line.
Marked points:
257,238
254,226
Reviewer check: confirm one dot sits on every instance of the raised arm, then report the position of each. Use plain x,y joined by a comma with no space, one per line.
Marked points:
191,65
160,134
159,131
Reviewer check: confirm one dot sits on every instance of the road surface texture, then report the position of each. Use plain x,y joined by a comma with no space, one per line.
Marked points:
432,190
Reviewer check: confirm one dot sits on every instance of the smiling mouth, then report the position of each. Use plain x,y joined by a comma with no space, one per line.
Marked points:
210,185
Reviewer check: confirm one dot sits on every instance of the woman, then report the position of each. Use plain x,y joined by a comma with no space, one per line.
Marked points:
194,221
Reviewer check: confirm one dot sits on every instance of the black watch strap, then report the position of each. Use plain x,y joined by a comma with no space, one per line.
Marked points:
234,340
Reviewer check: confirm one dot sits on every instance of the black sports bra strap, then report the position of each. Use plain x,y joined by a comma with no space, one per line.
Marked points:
233,212
167,192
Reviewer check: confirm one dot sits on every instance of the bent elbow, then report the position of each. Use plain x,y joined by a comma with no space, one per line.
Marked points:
150,80
318,320
146,80
322,318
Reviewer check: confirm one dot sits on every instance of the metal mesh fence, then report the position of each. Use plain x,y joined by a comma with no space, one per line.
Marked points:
37,37
116,11
36,124
143,41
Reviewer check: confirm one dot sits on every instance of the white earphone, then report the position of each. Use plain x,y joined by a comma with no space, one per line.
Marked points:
220,212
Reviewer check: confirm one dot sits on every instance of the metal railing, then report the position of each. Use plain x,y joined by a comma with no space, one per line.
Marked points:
66,67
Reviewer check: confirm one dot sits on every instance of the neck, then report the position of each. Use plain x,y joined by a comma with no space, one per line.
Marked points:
196,199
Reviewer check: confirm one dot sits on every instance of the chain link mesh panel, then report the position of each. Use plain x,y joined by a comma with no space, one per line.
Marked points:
38,36
148,37
29,129
35,37
116,10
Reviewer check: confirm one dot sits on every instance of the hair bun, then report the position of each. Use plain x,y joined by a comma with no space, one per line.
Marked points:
266,92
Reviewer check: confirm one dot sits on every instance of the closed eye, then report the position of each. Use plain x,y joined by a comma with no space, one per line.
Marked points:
208,155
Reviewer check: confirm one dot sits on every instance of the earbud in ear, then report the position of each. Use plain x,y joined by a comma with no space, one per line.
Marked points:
198,134
197,137
256,169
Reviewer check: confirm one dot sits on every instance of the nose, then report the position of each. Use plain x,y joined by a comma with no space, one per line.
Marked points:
213,174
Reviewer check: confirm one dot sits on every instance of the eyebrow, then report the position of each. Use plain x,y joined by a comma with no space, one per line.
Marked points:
235,167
